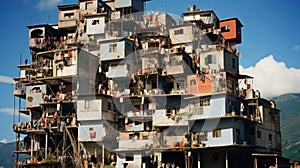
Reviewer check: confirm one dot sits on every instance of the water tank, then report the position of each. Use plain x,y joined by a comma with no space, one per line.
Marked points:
192,8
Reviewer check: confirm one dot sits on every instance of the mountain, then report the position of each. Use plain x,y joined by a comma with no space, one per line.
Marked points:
6,154
289,104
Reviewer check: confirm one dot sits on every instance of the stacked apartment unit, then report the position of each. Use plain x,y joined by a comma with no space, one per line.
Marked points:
111,84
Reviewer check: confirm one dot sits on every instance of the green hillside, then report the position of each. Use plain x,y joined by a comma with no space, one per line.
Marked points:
6,154
289,105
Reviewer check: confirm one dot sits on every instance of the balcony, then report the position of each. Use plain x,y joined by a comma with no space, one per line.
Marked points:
118,71
176,69
19,89
137,140
170,117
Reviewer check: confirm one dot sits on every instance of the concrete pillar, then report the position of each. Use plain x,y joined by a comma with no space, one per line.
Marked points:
46,145
255,162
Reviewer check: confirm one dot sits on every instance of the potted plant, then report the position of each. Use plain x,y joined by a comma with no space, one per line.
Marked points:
50,158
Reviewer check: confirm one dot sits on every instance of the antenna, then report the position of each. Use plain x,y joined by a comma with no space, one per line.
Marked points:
48,18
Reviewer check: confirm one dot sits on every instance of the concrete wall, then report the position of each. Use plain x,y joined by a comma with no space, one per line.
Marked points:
136,163
118,71
215,109
137,5
225,139
91,131
123,47
89,109
226,136
95,25
231,62
203,16
34,95
161,119
182,34
67,18
66,63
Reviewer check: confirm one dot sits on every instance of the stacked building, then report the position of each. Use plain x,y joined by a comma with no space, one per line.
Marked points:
111,84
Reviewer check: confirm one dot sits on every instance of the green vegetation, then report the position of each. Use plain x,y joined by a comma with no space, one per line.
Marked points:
290,133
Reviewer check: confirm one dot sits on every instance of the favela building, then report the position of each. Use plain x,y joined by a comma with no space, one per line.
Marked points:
114,85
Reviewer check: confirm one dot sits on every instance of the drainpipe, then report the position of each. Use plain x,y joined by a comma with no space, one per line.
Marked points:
226,157
103,156
199,162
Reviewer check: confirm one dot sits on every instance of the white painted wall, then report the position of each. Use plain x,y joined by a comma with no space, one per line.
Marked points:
216,109
136,163
89,109
119,54
225,139
84,132
186,37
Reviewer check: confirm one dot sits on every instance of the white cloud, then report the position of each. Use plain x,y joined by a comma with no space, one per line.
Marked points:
6,110
296,48
3,141
47,4
273,78
6,79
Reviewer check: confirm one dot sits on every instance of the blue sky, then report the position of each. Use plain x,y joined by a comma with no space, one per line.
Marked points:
270,50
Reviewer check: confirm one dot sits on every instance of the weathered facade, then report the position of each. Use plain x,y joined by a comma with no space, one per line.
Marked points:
113,85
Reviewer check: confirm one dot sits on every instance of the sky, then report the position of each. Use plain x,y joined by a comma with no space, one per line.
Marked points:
270,50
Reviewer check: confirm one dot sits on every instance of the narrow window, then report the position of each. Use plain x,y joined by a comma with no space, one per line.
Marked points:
95,22
179,31
129,158
69,15
112,48
258,134
225,28
233,63
145,137
86,104
217,133
193,82
270,137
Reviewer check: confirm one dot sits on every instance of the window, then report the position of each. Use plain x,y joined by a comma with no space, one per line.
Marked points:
206,15
238,135
35,90
145,137
198,111
131,136
112,48
270,137
109,106
193,82
129,158
225,28
89,5
252,131
95,22
179,31
171,112
134,136
69,15
258,134
210,59
233,63
217,133
87,104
